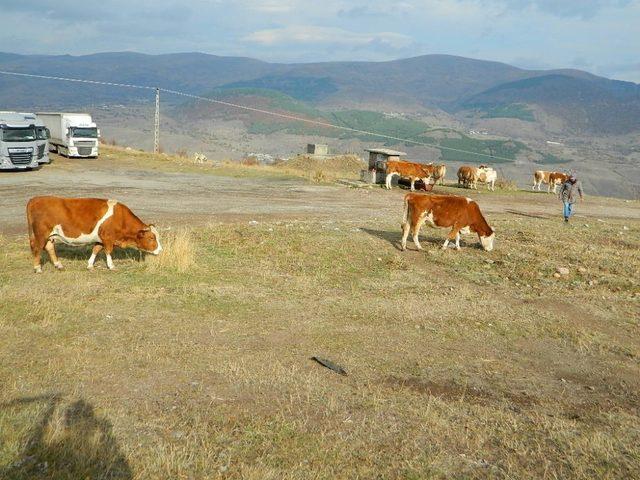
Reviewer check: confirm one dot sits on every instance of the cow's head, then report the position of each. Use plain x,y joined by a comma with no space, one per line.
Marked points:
148,240
487,241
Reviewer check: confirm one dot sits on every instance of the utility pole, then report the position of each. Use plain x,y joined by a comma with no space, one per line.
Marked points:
156,141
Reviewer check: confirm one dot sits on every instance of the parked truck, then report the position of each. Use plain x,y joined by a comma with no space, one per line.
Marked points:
72,134
18,141
42,136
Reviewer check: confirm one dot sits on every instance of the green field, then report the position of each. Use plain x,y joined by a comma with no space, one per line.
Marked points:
513,110
550,159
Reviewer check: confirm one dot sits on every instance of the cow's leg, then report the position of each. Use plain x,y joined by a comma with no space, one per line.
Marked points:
108,248
51,250
388,180
97,248
454,236
110,265
406,228
36,250
417,228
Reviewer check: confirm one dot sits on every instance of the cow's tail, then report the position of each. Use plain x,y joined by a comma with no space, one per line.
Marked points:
405,214
32,237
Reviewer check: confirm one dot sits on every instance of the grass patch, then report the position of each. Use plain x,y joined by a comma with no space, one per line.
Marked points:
314,170
550,159
500,148
504,183
457,367
179,253
513,110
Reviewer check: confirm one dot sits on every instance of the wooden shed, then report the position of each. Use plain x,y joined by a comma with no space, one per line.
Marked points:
377,168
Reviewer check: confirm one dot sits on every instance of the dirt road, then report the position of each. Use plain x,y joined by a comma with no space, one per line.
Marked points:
187,197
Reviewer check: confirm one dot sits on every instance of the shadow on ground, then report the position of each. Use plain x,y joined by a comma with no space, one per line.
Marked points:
83,253
68,440
427,242
395,237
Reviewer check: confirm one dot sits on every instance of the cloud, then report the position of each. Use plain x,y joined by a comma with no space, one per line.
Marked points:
305,34
593,34
563,8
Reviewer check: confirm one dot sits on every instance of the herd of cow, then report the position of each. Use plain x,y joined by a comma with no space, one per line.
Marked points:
106,224
468,177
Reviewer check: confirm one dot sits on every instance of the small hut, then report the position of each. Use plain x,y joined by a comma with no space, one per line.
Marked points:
377,169
317,149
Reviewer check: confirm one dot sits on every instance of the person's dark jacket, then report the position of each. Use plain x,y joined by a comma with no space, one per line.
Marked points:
570,190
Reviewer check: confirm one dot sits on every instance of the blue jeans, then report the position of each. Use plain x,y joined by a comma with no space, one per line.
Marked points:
568,209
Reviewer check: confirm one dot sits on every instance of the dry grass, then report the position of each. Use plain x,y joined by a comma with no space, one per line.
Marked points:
179,252
506,184
324,170
457,367
250,162
314,170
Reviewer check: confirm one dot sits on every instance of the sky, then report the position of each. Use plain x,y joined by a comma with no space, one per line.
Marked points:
600,36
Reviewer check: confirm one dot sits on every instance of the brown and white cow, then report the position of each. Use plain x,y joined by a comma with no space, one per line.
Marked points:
439,171
468,176
412,171
488,176
461,214
105,224
552,179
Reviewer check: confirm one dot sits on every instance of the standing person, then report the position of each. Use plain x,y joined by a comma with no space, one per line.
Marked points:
569,192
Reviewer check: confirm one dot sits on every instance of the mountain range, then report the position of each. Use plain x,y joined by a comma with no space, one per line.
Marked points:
585,104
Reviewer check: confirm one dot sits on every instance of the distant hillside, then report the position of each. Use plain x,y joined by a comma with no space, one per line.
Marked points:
585,102
588,105
399,126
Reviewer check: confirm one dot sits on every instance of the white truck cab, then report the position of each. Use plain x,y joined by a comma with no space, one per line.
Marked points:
18,141
42,135
72,134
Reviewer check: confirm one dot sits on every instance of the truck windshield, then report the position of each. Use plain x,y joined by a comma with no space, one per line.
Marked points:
85,132
25,134
42,133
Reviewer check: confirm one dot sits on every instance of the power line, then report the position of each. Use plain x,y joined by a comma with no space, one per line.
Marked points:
257,110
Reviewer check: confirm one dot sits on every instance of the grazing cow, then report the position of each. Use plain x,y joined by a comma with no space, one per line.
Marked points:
552,179
86,221
468,176
412,171
439,171
459,213
488,176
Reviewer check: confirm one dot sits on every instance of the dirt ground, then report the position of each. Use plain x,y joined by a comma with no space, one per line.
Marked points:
196,198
